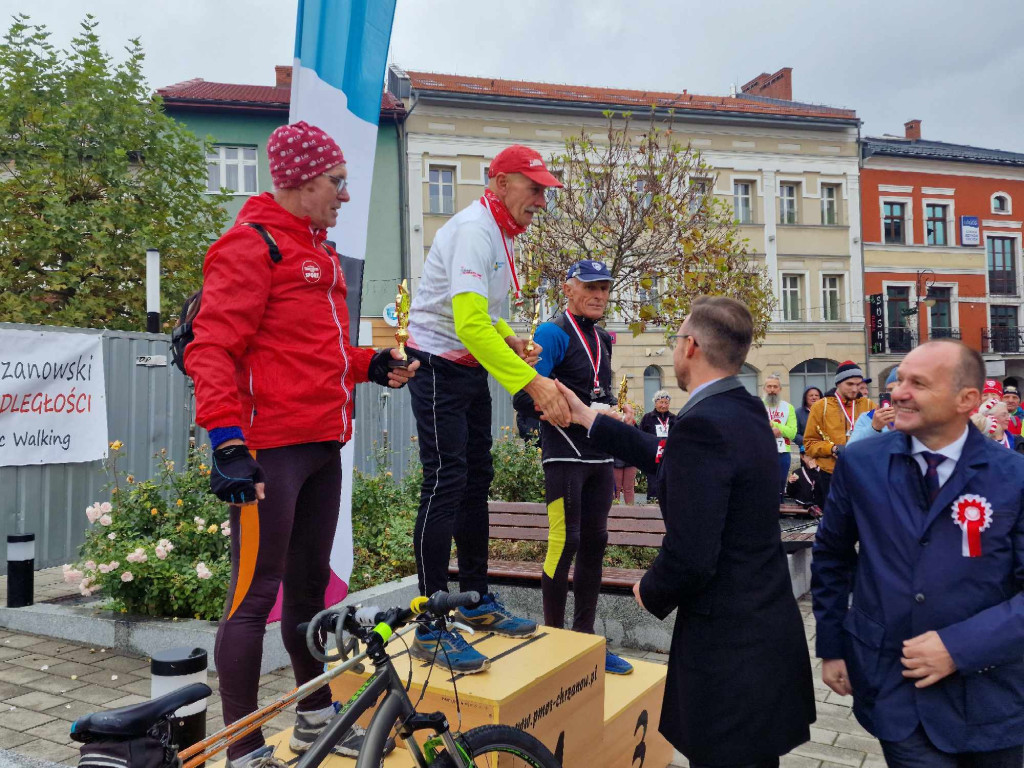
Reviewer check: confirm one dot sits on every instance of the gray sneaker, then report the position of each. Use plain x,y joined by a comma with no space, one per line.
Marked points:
308,729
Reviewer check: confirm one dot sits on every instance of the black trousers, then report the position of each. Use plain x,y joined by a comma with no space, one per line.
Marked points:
578,496
452,406
917,751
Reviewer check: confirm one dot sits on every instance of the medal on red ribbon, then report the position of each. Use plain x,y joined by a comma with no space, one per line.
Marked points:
973,514
594,358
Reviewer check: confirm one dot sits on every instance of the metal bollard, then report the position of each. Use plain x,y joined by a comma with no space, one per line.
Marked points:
175,668
21,565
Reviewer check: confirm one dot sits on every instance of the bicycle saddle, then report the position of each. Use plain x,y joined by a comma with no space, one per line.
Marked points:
135,720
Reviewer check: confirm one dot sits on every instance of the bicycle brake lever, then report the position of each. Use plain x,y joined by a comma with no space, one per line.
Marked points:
460,625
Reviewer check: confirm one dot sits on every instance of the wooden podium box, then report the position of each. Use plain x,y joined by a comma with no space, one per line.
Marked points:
550,685
632,709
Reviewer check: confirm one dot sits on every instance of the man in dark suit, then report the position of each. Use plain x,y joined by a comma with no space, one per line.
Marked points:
932,644
739,689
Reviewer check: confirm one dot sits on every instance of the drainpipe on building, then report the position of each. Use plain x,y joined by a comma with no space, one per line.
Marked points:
863,267
403,192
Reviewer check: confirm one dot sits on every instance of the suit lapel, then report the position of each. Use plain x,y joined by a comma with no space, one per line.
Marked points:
905,488
715,388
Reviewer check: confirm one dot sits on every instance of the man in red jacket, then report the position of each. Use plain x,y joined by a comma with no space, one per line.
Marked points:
274,374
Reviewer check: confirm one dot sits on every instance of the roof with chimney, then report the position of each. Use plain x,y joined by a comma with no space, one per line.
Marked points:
200,94
766,95
901,146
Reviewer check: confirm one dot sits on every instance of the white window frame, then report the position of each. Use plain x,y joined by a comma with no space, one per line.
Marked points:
707,184
837,189
911,321
1009,204
840,295
951,233
1001,298
751,184
908,221
441,186
217,156
954,306
795,202
801,300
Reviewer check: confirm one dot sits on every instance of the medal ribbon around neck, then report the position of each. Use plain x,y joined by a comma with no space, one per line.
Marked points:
594,361
853,410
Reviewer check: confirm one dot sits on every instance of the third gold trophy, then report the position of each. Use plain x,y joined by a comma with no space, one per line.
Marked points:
402,303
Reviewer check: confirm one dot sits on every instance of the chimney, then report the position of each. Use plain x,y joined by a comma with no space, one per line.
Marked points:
284,76
775,86
913,129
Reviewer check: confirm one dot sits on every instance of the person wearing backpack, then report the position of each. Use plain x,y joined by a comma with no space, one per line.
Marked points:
274,374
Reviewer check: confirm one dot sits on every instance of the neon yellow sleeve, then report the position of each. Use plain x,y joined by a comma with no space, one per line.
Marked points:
486,344
503,328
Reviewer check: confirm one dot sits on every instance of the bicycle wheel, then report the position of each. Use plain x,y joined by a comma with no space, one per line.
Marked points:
492,746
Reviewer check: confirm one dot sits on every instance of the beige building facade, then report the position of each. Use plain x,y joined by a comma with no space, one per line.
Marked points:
790,170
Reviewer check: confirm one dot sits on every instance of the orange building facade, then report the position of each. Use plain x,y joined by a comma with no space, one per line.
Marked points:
942,227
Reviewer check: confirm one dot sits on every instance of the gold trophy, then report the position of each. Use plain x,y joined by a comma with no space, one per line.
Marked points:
533,328
402,302
623,392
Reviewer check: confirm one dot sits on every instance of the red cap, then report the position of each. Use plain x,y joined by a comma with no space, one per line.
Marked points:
520,159
992,387
300,152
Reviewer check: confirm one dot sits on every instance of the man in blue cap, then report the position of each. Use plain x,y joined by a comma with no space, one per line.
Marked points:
880,419
579,479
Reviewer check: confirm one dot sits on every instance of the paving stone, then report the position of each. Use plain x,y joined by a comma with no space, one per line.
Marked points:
843,701
58,731
10,690
74,710
140,687
10,652
106,677
847,757
820,695
678,761
126,701
49,750
22,719
53,684
36,700
874,761
822,736
867,744
10,739
34,661
80,654
51,647
21,641
124,664
18,675
69,668
95,694
840,724
798,761
827,708
281,685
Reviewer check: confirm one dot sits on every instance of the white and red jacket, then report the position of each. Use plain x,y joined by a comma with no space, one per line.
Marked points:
271,352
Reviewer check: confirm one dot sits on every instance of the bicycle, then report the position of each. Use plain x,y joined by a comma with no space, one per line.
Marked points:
375,628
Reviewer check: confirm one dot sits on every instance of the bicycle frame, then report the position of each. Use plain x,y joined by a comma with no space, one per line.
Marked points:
396,706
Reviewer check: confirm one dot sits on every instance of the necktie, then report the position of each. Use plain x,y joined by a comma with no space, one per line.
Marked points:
931,475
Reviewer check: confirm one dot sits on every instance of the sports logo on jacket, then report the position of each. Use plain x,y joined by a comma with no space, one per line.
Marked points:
311,271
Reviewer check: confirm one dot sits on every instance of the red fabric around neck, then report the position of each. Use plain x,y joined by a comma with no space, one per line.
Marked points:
502,215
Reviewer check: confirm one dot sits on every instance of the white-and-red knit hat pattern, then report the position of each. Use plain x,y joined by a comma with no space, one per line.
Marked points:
300,152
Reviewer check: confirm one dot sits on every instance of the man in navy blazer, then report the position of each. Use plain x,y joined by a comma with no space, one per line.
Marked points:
739,691
932,643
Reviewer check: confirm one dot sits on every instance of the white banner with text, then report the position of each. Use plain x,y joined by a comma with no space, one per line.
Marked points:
53,406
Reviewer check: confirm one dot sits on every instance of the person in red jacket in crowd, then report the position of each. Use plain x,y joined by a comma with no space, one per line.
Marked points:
274,373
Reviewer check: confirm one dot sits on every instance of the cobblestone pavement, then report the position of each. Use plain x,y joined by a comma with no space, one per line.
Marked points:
45,684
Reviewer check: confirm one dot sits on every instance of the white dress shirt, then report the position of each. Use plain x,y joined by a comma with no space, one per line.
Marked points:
951,452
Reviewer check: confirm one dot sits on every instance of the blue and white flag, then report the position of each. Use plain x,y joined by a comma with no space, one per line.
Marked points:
341,49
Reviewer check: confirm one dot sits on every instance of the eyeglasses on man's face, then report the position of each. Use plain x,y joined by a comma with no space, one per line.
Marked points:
673,341
340,182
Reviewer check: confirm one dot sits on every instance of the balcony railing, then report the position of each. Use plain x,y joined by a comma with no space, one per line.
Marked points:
943,333
1003,340
900,339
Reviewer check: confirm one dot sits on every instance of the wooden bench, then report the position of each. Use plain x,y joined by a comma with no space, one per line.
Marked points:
628,525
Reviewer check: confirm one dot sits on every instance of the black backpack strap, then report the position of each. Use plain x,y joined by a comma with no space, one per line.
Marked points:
275,252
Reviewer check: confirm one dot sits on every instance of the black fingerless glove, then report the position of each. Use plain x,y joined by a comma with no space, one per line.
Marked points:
234,475
378,372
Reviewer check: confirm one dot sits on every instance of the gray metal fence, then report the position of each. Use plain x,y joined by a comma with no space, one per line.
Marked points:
150,408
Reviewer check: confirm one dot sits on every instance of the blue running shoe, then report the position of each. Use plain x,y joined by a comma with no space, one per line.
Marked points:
430,645
492,616
616,665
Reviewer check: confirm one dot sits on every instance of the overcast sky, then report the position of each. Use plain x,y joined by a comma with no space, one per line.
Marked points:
957,66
